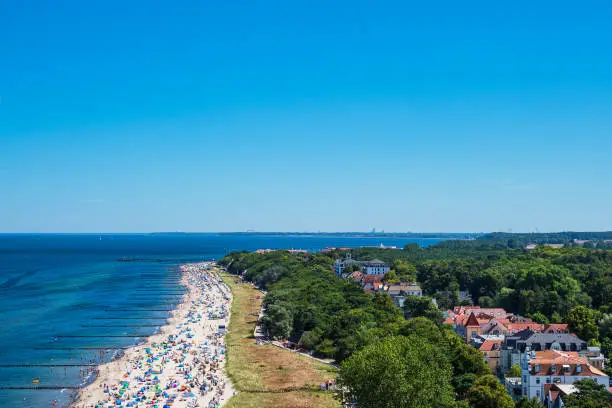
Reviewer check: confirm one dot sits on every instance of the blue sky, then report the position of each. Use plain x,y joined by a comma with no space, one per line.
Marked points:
305,115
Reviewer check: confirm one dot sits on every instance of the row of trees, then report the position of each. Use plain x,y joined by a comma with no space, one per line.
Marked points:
309,304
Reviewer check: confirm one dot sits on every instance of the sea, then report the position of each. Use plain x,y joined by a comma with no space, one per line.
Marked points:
69,302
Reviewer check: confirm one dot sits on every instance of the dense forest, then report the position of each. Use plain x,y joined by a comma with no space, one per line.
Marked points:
545,284
548,237
306,302
503,240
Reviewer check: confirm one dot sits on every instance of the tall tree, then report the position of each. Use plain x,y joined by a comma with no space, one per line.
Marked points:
540,318
424,329
277,321
582,321
405,270
605,325
391,277
415,306
525,402
398,372
487,392
590,395
464,358
515,371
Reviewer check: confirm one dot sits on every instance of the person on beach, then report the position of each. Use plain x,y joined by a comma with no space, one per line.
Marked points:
188,356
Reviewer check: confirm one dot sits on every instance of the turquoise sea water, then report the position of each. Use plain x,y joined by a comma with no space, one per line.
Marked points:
74,300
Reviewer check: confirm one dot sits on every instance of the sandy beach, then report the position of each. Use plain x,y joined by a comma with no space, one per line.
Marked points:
183,366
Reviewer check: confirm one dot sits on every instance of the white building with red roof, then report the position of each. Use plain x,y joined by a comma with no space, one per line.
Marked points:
556,367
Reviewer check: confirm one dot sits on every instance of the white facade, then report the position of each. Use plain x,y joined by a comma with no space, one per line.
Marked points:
534,378
375,268
534,386
417,291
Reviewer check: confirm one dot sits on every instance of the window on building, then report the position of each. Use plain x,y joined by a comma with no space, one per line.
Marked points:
537,381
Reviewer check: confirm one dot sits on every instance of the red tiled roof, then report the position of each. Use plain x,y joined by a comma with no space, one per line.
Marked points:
463,309
517,327
472,321
556,328
548,358
461,319
356,276
371,279
489,345
495,325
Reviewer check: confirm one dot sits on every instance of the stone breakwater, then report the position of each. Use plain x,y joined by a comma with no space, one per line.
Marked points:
184,365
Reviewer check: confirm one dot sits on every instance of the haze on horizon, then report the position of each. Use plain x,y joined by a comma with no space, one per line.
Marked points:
306,116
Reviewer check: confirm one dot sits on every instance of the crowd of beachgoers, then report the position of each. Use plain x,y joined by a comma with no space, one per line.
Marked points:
181,367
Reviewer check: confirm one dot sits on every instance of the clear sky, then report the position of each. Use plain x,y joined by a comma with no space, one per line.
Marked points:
134,116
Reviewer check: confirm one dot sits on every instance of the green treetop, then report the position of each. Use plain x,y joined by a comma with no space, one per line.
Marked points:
582,321
590,395
398,372
515,371
488,392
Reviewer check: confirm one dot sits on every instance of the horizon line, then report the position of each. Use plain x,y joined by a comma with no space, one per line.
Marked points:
304,232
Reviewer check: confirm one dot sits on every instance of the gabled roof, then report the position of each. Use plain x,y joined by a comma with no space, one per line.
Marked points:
448,320
472,321
490,345
556,328
495,325
356,276
464,309
371,278
377,285
491,311
517,327
552,395
461,319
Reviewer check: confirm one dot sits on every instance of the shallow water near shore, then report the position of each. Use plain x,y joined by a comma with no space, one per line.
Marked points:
73,315
70,302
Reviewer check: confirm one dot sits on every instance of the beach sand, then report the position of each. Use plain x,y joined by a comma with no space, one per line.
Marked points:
183,366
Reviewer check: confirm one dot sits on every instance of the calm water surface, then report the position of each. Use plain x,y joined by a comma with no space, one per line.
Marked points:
68,301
